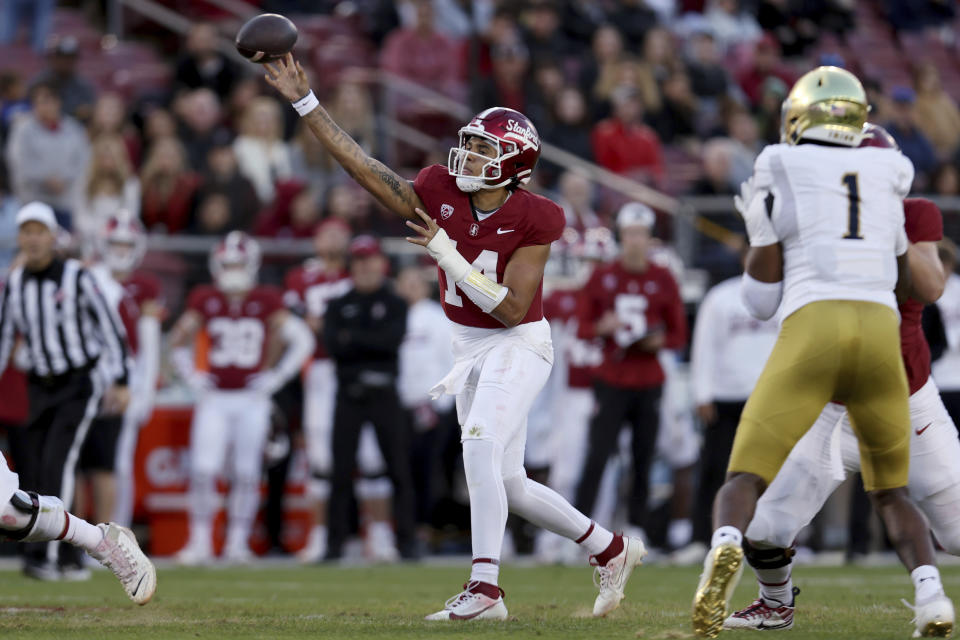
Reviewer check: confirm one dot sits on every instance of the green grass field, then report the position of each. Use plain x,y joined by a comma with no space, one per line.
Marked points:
389,602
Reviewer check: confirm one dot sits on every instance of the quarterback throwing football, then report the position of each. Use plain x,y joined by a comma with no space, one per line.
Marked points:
491,240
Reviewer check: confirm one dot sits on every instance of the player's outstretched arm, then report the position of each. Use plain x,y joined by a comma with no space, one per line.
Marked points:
287,76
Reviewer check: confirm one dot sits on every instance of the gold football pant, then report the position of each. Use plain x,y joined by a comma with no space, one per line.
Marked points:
832,350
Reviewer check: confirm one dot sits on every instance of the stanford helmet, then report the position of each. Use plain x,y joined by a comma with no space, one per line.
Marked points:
876,136
517,145
123,241
234,262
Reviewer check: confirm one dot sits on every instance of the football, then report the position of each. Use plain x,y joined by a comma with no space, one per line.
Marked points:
266,37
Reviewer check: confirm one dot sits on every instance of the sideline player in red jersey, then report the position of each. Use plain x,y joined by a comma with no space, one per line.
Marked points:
308,289
491,240
138,297
634,306
824,456
241,322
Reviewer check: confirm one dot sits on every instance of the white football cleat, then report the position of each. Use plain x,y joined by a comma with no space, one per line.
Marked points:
689,556
119,552
762,617
472,605
721,572
380,544
238,555
195,554
315,548
612,577
934,618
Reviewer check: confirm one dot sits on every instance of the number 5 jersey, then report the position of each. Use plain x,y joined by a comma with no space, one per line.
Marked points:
645,302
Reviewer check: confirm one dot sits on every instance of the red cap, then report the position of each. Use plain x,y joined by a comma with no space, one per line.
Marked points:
365,247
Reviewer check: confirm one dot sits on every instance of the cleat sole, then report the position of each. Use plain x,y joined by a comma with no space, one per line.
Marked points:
937,629
710,601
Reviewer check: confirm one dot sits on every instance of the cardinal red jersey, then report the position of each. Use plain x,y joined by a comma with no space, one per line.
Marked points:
308,290
645,303
582,356
138,289
923,223
236,332
525,219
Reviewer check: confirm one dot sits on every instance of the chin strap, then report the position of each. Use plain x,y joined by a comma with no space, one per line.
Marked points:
481,290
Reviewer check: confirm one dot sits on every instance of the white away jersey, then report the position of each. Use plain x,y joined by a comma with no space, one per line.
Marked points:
838,213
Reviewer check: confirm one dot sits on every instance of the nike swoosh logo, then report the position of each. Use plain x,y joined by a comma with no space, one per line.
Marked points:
500,231
770,627
454,616
919,431
137,590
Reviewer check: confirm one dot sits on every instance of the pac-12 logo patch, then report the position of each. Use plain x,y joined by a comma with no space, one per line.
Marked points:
446,211
474,230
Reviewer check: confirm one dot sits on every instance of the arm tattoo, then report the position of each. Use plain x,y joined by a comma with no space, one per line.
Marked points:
368,172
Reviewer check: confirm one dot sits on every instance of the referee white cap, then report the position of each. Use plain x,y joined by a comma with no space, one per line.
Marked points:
38,212
635,214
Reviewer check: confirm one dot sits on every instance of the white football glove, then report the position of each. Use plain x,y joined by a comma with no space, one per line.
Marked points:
752,208
200,381
266,382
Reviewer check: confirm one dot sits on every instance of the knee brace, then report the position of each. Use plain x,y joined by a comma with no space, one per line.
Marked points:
31,517
762,557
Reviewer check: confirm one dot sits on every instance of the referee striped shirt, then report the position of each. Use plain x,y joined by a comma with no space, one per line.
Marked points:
66,322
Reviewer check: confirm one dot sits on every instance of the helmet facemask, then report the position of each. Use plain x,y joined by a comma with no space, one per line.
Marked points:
491,171
234,267
122,244
122,256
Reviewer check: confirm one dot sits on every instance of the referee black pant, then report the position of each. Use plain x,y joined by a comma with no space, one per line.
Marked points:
640,408
61,410
379,405
712,468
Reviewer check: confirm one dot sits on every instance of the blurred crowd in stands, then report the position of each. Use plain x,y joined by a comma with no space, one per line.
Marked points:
678,94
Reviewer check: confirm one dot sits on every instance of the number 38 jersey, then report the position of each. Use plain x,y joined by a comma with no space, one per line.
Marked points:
233,341
525,219
838,213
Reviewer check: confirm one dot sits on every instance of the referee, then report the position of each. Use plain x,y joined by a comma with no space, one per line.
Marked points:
66,326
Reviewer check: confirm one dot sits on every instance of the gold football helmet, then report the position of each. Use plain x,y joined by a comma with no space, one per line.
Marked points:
827,104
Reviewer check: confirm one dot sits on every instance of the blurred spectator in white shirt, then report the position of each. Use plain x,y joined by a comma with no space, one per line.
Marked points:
262,155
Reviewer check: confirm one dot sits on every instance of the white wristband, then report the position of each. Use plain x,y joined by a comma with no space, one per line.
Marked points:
306,104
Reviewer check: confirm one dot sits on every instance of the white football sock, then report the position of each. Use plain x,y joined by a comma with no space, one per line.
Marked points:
926,582
482,464
726,535
776,585
597,539
82,533
485,572
242,509
679,533
203,505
